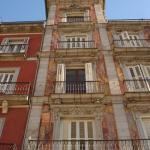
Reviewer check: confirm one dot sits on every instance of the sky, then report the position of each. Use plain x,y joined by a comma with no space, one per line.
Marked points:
34,10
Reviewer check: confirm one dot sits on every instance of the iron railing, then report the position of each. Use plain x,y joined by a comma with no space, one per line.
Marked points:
142,85
74,19
75,44
14,88
129,144
8,146
132,43
76,87
13,48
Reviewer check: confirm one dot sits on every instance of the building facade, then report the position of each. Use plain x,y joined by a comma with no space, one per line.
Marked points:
89,77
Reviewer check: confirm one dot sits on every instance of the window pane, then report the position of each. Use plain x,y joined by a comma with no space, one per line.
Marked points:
82,132
73,129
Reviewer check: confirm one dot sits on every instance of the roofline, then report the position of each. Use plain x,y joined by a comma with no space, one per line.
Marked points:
128,20
22,22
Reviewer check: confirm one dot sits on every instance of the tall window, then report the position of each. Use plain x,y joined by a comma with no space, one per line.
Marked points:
79,133
14,45
139,77
129,40
5,81
146,125
75,81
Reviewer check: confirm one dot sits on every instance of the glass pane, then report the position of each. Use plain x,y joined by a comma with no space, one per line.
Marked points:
82,132
73,129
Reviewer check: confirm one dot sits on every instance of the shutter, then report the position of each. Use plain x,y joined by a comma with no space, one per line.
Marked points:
117,41
2,122
86,15
82,130
60,78
146,73
25,45
64,18
90,75
124,36
90,130
90,43
4,48
73,130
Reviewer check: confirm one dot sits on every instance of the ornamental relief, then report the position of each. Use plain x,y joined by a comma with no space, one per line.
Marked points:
77,111
139,108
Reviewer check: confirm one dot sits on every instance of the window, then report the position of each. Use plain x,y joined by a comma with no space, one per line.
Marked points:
139,78
76,42
129,40
2,122
14,45
79,133
5,81
146,126
76,80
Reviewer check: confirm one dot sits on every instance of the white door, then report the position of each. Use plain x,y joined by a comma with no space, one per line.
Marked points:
136,82
77,133
5,82
76,42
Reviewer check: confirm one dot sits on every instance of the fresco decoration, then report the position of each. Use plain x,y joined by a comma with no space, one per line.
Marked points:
121,76
108,124
132,125
46,125
51,75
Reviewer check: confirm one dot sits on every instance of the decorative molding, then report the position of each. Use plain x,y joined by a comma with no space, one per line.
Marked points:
142,108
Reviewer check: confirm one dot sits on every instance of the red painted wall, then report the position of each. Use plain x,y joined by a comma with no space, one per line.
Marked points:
34,42
14,127
27,69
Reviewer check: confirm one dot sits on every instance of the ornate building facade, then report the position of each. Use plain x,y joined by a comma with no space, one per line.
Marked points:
89,79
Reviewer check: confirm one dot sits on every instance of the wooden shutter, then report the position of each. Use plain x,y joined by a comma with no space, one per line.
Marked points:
2,122
86,15
117,40
136,79
60,78
25,45
125,39
90,75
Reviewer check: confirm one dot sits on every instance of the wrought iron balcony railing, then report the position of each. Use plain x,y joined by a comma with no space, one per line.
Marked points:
14,88
132,43
72,87
13,48
75,44
8,146
74,19
142,85
130,144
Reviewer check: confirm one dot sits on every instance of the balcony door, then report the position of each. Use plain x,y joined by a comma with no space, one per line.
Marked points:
78,134
76,42
75,81
5,82
137,82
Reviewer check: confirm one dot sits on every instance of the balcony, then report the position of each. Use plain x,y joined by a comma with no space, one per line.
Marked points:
125,49
15,92
13,50
75,48
130,144
77,23
77,92
137,90
8,146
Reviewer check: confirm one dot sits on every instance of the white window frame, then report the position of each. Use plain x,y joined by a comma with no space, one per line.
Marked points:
10,71
129,40
6,45
68,131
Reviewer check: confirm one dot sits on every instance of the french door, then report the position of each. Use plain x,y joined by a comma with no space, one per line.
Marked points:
137,82
78,134
5,79
76,42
